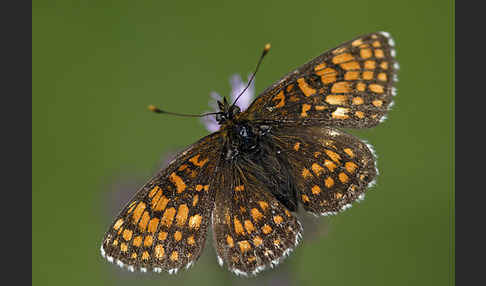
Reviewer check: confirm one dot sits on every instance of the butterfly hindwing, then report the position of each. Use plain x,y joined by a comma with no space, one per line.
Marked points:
331,168
164,225
349,86
252,230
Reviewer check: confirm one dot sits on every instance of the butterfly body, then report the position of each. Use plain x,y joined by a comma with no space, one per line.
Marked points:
247,179
241,139
246,142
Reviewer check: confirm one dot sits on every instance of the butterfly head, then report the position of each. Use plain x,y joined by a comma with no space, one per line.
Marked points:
226,111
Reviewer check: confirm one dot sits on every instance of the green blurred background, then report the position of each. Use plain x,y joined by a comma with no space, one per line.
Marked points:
98,64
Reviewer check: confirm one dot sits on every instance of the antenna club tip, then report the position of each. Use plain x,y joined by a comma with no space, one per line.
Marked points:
267,47
153,108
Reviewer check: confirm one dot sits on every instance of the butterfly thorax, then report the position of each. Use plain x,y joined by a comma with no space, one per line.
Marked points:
241,136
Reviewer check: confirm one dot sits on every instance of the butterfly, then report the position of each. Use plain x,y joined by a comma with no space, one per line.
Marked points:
248,179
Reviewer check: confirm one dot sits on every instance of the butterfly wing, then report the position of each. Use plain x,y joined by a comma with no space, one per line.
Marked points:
329,167
349,86
252,229
163,227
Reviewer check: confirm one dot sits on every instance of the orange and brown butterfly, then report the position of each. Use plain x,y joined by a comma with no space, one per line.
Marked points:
248,179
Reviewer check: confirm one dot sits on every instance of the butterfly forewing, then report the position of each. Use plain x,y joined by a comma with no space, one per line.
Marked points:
164,226
349,86
331,169
252,229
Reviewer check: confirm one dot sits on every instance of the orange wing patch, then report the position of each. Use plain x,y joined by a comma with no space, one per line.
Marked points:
195,160
305,88
181,186
281,99
182,215
168,217
328,75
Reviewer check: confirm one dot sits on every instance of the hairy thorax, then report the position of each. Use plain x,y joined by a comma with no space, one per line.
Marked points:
243,138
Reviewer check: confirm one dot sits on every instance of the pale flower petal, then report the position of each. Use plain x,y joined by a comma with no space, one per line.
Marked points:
237,85
210,123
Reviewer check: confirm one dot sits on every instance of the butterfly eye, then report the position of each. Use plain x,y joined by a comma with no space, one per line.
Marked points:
220,117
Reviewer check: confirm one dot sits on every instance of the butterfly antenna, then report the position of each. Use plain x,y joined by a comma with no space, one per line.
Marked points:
160,111
265,51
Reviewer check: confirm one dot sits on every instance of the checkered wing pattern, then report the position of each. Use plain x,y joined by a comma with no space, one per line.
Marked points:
252,229
349,86
164,225
330,168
